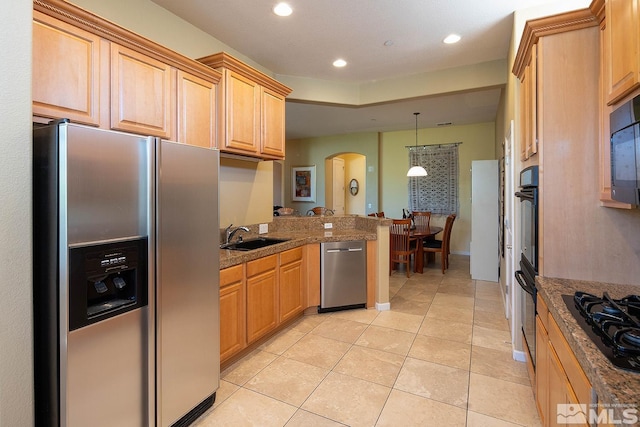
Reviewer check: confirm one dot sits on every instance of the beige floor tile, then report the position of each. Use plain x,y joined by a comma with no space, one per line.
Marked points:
339,329
225,390
362,315
408,410
368,364
444,352
400,321
418,291
317,350
348,400
246,408
386,339
452,314
453,331
308,323
287,380
479,420
491,320
453,300
488,290
401,304
434,381
491,338
247,367
502,399
498,364
282,341
306,419
489,305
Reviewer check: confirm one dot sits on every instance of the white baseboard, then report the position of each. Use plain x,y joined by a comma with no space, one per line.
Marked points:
519,356
386,306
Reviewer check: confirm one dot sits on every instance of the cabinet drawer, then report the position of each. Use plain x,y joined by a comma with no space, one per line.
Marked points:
543,312
231,275
290,256
261,265
575,374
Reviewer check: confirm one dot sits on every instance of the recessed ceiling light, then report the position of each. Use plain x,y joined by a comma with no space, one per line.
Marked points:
388,43
452,38
339,63
282,9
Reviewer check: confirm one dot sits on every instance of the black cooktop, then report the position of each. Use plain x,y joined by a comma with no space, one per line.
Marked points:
612,324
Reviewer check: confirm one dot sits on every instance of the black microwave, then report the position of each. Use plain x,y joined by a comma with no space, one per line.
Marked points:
625,152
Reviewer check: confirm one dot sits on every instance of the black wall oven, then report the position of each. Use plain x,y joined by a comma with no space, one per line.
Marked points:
528,196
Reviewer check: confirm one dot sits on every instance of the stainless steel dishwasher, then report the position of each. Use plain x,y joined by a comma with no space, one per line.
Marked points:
343,282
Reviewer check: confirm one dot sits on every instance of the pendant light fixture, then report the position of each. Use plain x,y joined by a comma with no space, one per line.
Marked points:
417,170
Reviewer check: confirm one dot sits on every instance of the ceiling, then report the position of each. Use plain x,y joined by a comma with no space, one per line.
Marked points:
306,43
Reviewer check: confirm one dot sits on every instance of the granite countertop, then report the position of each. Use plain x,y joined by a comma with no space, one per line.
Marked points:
229,258
613,386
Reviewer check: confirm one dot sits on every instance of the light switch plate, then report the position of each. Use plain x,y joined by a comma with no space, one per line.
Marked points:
263,228
328,225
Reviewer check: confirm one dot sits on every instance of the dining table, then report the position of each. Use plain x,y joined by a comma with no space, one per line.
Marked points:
421,233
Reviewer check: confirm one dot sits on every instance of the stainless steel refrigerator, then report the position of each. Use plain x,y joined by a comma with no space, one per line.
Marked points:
126,294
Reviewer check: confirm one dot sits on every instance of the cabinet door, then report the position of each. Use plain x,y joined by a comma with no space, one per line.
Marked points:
622,51
66,71
529,107
242,120
262,297
542,371
291,284
272,137
142,94
233,336
196,111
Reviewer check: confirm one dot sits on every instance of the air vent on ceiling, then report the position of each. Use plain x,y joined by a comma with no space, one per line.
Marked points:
444,124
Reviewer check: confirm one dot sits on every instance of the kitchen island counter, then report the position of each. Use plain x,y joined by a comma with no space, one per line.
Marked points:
301,231
613,386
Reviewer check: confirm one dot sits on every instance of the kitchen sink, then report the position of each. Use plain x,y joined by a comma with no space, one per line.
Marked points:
248,245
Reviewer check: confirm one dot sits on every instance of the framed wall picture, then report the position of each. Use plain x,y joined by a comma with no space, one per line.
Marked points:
303,181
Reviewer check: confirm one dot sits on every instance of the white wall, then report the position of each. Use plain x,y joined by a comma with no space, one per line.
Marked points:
16,334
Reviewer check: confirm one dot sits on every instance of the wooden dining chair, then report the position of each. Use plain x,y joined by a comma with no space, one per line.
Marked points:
421,219
401,246
441,246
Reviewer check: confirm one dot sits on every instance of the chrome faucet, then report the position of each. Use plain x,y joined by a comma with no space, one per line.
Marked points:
231,232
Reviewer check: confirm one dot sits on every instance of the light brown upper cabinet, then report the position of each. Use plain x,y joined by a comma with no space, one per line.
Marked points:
94,72
251,112
622,48
529,106
142,94
604,177
66,71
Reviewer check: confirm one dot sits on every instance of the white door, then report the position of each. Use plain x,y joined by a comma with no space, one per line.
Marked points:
508,221
335,186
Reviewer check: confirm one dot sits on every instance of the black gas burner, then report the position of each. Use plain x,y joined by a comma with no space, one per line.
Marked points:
612,324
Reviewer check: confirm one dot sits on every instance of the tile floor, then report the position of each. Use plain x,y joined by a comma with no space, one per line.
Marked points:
440,357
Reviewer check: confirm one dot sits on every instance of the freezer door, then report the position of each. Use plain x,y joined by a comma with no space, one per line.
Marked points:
187,292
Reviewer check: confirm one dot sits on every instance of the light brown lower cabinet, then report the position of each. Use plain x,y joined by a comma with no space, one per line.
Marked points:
291,289
258,296
233,314
262,297
560,379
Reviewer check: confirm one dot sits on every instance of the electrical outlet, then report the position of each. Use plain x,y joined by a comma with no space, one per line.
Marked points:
263,228
328,225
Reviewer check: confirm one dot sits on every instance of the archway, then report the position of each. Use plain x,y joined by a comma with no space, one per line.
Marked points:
347,186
